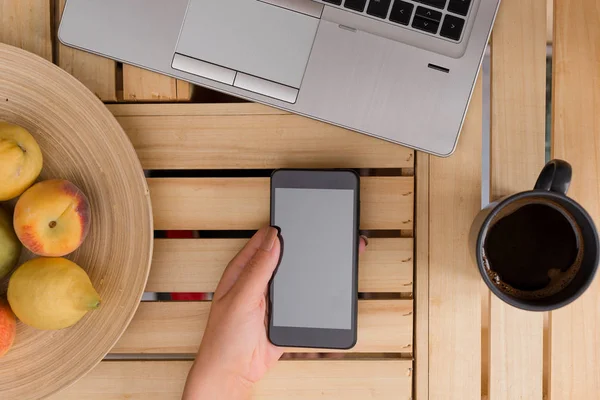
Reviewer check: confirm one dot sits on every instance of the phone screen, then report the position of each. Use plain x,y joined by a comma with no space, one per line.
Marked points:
313,285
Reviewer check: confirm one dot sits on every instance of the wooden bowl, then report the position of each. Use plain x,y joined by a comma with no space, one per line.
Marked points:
81,141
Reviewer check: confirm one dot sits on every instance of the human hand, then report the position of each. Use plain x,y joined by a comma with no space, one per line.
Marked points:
235,351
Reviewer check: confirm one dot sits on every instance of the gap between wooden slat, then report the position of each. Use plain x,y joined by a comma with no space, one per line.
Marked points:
196,265
285,357
290,380
384,326
240,204
261,173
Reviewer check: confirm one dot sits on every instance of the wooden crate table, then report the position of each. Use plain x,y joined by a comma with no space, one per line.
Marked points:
428,327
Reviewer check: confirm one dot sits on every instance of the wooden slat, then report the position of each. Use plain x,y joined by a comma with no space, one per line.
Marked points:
384,326
184,90
549,20
238,136
236,203
454,282
192,110
143,85
196,265
421,283
26,24
518,119
290,380
95,72
574,330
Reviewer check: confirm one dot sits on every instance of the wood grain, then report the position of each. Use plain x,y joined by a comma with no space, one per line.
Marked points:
454,282
190,109
190,265
574,338
517,142
293,380
83,143
143,85
184,90
549,20
421,386
384,326
518,89
26,24
243,203
207,136
97,73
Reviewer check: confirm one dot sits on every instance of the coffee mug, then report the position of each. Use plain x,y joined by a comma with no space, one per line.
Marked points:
537,250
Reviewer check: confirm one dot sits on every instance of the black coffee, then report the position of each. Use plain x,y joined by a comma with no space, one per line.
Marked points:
534,251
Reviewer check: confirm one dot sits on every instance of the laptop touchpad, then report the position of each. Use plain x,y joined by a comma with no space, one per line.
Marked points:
253,37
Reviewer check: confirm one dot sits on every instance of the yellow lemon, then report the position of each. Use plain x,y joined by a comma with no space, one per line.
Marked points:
51,293
20,160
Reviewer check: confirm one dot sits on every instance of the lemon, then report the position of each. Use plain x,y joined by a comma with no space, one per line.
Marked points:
51,293
20,160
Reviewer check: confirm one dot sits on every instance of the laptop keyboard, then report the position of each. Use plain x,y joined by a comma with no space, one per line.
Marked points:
444,18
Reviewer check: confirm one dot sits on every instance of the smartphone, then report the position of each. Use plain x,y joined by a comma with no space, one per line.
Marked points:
313,292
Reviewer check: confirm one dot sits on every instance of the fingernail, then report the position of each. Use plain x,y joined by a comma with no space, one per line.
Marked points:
269,239
366,239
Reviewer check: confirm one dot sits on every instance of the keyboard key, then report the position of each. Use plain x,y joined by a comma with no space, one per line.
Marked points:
336,2
425,24
452,27
356,5
433,3
429,14
401,12
379,8
459,6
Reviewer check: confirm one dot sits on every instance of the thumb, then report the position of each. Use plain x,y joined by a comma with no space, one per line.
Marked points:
257,273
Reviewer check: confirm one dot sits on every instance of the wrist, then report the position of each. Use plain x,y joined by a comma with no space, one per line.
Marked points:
205,382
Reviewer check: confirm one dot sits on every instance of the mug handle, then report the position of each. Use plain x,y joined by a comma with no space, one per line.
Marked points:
555,177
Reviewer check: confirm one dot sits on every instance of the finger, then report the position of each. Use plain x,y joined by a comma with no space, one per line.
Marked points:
362,244
255,277
237,264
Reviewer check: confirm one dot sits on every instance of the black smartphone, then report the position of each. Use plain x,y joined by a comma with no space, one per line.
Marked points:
313,293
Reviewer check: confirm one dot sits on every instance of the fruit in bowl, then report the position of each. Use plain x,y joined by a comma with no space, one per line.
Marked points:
51,293
8,327
20,160
81,141
52,218
10,247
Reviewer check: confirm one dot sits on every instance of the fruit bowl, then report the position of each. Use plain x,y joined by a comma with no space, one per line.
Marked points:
82,142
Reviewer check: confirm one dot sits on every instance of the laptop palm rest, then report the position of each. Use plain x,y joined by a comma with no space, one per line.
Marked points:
262,48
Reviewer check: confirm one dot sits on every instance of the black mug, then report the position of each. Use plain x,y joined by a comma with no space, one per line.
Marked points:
537,250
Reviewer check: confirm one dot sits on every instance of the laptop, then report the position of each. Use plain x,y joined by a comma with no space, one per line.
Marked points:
399,70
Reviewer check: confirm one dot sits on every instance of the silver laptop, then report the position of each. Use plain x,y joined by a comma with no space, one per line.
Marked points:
399,70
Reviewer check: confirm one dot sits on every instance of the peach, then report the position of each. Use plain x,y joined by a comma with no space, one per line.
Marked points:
52,218
8,327
20,160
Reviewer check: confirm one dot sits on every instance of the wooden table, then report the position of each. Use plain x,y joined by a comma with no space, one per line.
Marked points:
209,165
